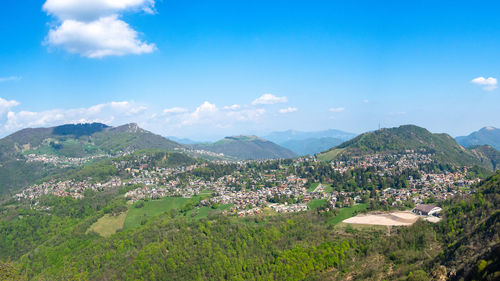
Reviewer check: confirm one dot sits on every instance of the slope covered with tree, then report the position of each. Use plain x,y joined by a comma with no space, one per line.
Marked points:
472,234
401,139
72,140
489,156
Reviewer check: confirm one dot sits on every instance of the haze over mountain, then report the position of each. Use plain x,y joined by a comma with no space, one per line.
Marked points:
443,147
284,136
303,143
487,135
247,148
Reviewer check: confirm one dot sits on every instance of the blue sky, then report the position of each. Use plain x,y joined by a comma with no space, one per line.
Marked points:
206,69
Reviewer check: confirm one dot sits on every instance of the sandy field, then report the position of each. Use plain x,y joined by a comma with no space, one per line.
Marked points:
389,219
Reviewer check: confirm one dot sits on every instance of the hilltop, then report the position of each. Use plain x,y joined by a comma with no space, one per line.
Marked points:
30,154
247,148
443,148
79,140
487,135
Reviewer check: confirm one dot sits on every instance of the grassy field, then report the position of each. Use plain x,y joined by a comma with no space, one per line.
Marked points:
313,187
108,224
328,188
151,209
203,212
316,203
345,213
330,155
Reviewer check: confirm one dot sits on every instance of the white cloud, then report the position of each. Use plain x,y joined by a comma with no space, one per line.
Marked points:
121,112
207,115
336,109
108,36
232,107
202,113
488,84
93,29
10,78
6,105
87,10
174,110
269,99
251,114
366,101
288,110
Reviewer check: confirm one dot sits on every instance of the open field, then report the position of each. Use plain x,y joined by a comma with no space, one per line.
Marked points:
316,203
151,209
344,213
108,224
203,212
328,188
312,187
387,219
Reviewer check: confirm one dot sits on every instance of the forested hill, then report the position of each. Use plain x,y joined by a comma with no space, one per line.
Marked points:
247,148
79,140
489,156
400,139
472,234
72,140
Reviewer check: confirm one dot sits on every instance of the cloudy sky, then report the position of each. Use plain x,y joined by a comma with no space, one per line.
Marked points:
207,69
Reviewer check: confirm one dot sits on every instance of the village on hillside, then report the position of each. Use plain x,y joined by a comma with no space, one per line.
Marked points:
249,188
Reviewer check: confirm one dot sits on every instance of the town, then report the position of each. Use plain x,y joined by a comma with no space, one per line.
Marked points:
282,185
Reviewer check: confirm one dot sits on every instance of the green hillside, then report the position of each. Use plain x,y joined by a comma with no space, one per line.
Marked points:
472,229
408,137
72,140
489,156
247,148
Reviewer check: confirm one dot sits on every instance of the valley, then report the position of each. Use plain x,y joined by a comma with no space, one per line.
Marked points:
101,197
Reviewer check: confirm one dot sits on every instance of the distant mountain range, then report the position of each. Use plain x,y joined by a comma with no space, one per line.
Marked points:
409,137
303,143
247,148
487,135
182,140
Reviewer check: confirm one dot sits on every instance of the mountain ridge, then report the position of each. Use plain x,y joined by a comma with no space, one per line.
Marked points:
488,135
400,139
246,147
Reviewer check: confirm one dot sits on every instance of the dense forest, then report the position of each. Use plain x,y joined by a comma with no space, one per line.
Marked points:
301,246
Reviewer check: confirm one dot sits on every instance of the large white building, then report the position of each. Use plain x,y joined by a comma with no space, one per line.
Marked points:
426,210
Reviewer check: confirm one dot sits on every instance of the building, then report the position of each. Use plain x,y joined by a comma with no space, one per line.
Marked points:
426,210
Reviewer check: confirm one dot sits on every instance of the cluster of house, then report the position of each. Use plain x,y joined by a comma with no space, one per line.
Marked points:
250,189
286,208
171,188
65,188
446,180
249,212
407,160
62,161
